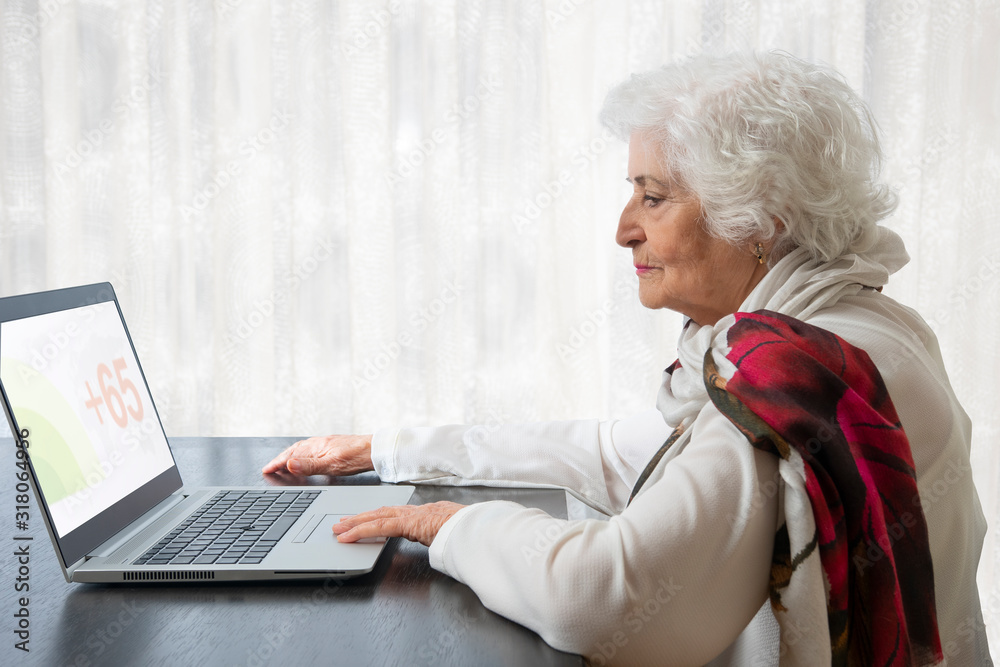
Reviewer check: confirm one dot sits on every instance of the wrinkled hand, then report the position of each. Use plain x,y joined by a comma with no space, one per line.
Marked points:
419,523
325,455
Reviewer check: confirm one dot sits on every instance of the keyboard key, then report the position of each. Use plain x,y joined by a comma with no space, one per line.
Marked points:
232,525
279,528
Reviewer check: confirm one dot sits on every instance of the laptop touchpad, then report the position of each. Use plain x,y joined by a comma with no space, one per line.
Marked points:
322,531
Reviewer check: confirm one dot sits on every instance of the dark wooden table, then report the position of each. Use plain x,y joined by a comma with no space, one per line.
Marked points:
402,613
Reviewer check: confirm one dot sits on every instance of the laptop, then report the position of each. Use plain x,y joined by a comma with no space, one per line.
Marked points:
107,485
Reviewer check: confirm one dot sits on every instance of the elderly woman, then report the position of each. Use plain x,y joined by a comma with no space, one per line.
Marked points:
802,491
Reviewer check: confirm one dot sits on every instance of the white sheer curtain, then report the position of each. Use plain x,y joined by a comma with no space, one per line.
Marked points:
330,216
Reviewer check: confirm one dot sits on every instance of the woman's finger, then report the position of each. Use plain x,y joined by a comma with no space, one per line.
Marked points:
278,462
348,522
384,527
419,523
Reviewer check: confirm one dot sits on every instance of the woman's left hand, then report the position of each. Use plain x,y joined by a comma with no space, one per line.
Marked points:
419,523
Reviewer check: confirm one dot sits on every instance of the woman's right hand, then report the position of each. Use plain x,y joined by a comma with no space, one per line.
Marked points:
325,455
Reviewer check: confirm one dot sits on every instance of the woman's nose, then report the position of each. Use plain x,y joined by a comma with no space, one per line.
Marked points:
629,230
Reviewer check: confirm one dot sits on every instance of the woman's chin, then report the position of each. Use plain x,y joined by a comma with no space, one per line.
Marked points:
655,302
648,300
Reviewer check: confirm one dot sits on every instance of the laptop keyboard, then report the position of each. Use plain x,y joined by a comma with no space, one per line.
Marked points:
233,527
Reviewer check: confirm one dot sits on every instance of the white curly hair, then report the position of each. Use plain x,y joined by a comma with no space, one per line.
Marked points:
759,137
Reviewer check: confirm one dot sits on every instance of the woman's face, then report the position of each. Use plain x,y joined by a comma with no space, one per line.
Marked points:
680,266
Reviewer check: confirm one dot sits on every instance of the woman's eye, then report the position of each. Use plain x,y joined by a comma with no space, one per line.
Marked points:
651,201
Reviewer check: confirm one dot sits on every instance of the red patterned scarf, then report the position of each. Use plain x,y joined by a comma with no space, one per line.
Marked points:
819,403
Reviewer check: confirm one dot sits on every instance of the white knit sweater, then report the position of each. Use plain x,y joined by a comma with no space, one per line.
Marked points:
680,576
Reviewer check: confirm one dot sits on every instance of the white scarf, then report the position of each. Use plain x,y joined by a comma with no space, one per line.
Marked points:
796,286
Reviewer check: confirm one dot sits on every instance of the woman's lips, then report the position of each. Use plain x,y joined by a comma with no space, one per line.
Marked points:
642,268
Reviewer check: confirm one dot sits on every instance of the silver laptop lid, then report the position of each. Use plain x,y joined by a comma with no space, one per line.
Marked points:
74,392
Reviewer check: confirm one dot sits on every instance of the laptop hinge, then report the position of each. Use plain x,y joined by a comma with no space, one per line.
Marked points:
120,538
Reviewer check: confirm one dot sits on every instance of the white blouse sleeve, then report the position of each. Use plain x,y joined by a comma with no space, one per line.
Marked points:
598,462
673,579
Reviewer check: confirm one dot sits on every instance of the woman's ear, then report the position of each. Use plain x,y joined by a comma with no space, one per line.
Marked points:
775,242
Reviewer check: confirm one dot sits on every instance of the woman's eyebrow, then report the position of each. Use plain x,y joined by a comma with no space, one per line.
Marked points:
641,181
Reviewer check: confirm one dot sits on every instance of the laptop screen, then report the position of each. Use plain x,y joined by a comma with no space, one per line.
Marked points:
75,388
